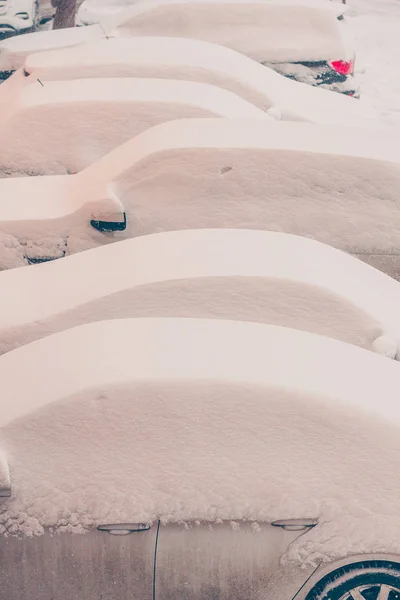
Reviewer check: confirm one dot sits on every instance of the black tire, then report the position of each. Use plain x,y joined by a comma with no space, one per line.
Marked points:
366,579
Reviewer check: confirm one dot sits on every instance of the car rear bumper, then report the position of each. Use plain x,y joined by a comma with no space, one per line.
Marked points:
319,74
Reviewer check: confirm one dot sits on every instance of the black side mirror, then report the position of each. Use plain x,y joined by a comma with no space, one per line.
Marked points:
108,226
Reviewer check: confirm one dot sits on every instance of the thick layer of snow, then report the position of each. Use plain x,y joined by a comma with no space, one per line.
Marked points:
89,10
193,60
64,126
14,50
317,181
195,419
276,31
226,274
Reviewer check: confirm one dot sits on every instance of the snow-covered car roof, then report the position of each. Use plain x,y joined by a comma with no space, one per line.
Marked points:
64,126
184,419
312,180
245,275
274,31
180,58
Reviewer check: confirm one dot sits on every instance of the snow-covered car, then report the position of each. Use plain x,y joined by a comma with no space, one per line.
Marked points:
325,182
243,275
64,126
307,40
201,459
192,60
18,16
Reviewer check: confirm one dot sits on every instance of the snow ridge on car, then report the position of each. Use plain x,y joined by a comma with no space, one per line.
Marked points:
64,126
243,275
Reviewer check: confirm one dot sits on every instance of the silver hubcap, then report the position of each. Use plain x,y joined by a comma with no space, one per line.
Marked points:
374,591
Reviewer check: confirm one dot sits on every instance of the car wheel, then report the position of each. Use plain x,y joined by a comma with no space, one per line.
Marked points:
367,580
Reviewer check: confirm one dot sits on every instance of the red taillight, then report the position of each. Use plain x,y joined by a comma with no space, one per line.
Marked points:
343,67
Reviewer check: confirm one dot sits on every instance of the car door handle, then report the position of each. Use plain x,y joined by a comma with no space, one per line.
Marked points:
295,524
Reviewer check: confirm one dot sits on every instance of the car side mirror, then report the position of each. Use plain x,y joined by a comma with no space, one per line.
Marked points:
109,226
108,213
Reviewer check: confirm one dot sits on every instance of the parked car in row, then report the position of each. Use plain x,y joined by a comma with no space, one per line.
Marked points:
307,40
323,182
241,275
188,469
64,126
191,60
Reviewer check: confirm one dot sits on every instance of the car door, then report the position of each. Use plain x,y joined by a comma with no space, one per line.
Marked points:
96,566
228,561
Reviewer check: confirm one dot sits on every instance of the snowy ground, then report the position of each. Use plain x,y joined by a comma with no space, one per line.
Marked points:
377,27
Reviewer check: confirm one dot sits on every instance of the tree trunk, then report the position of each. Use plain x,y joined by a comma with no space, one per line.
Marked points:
65,13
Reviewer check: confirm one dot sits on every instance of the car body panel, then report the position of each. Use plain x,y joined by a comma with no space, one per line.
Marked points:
225,561
80,566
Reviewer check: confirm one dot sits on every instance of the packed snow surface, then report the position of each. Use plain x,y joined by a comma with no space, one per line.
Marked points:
180,58
377,25
276,31
64,126
322,182
184,419
223,274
